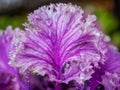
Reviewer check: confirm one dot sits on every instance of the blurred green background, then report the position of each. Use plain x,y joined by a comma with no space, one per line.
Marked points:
107,11
13,20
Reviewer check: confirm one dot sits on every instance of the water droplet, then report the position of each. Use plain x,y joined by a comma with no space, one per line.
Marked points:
72,9
48,22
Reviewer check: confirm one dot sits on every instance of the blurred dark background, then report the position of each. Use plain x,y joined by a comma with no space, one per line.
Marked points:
14,12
